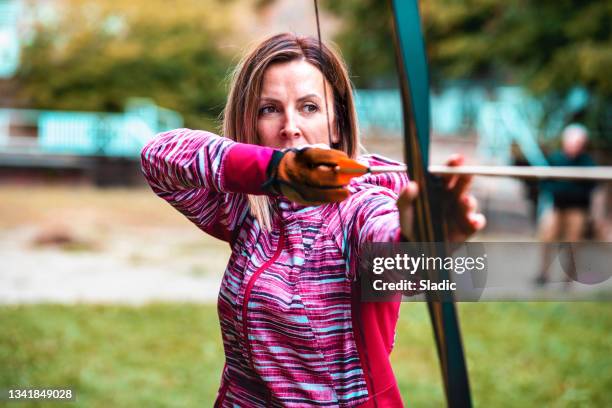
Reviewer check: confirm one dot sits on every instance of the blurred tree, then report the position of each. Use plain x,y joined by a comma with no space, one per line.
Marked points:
365,41
550,46
93,55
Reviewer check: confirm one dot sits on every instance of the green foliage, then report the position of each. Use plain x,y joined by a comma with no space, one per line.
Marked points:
94,55
549,46
519,354
365,41
552,45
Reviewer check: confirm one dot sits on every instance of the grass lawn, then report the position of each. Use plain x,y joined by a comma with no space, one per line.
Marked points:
160,355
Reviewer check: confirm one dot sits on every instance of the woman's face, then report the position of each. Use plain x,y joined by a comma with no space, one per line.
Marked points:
291,110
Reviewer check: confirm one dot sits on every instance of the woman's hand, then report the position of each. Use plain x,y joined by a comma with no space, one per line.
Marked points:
460,210
308,175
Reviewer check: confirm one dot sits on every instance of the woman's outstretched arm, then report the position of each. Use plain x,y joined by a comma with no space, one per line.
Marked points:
205,176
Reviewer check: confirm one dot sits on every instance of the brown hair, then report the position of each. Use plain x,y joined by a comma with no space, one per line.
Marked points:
241,110
240,115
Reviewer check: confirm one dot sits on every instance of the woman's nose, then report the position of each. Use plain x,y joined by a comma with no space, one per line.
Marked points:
290,128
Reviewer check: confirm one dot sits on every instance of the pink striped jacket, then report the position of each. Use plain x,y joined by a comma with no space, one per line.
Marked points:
294,330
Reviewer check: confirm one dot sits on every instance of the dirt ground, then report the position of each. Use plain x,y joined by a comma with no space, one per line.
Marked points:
66,244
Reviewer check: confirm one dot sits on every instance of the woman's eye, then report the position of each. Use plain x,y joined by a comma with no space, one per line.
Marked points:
310,108
267,109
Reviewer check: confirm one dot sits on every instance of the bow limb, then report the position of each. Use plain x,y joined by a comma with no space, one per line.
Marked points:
428,219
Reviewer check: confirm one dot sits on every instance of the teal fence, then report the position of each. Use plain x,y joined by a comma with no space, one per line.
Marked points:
84,133
500,118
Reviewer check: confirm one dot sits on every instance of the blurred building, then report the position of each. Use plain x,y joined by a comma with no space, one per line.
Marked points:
98,147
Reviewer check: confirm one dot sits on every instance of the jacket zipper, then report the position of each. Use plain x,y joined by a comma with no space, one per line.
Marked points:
247,295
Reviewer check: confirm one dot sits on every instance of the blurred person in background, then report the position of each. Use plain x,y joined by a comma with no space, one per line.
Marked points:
567,220
294,330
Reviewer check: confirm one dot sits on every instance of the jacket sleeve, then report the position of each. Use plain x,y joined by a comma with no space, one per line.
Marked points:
206,177
377,218
370,214
374,219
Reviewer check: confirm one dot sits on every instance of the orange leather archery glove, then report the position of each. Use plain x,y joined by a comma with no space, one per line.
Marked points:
307,175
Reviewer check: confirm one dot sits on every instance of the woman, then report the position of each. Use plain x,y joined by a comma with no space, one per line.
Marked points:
293,328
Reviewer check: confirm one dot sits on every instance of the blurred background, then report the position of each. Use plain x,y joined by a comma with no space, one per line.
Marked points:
104,288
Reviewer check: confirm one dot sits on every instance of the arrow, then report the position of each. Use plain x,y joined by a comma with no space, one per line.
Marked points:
596,173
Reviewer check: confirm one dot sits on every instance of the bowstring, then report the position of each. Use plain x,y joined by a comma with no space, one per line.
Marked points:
329,137
316,6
